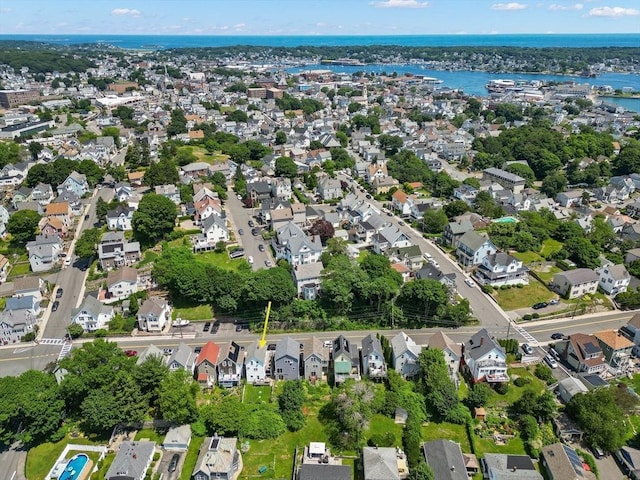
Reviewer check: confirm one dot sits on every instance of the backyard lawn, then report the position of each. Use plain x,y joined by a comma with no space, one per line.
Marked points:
450,431
195,313
548,273
380,424
488,445
204,156
528,257
514,298
222,260
19,269
40,459
514,393
256,395
550,246
151,435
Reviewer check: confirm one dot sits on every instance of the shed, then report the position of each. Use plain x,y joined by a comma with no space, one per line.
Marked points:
479,413
178,438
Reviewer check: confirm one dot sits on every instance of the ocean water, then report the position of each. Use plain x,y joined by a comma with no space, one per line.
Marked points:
178,41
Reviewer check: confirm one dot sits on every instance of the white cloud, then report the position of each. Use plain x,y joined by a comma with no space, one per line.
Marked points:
132,12
508,6
400,4
555,6
613,12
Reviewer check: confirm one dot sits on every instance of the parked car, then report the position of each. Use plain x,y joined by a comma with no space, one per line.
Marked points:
130,353
215,327
268,263
261,247
167,351
251,224
554,301
55,305
237,253
271,346
526,348
255,232
241,231
540,305
597,451
173,464
551,361
206,327
86,217
239,327
557,336
67,261
401,223
59,293
197,350
469,282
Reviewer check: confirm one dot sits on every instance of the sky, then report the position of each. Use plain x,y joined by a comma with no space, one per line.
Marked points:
317,17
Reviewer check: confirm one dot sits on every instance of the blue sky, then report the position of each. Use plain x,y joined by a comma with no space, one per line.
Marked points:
318,17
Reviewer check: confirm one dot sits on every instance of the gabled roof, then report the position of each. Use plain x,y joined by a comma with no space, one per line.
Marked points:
124,274
210,352
480,344
613,339
402,343
61,208
131,460
152,305
472,240
445,459
150,351
380,463
441,341
255,352
511,467
287,347
311,471
93,306
371,344
181,355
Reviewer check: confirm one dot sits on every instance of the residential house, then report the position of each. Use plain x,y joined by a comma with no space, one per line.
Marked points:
307,279
114,251
570,387
5,266
500,269
60,211
154,315
177,439
258,191
132,461
484,359
616,348
569,199
50,226
500,466
281,188
219,459
582,352
411,256
575,283
72,199
429,270
29,286
4,219
384,463
346,361
445,459
121,283
563,463
14,325
12,175
613,279
473,248
230,363
629,460
508,180
92,315
373,363
402,203
169,191
29,303
122,192
120,218
295,246
195,170
466,193
42,193
256,363
315,360
206,207
206,364
44,252
405,355
320,471
135,178
182,357
452,352
382,185
329,188
389,237
286,360
214,230
76,183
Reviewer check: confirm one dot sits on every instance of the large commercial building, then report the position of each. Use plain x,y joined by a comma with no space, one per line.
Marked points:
13,98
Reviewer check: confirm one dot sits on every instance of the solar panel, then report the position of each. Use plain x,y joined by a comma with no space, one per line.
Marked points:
576,461
590,348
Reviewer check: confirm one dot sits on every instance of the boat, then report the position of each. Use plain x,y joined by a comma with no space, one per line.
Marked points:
180,323
500,86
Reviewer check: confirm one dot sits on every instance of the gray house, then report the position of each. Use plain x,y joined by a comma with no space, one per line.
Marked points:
44,252
384,463
346,361
132,461
316,359
219,459
182,357
373,364
287,360
329,188
405,355
230,364
445,459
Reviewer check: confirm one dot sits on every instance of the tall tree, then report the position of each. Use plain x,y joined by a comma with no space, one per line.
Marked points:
176,398
290,402
155,217
439,390
163,172
22,225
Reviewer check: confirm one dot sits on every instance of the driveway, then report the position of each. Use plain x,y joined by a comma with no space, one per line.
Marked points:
163,468
608,469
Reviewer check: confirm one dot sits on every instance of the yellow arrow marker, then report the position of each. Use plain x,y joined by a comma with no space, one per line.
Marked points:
263,340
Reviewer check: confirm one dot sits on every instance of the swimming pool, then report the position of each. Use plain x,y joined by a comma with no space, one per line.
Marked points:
74,467
505,220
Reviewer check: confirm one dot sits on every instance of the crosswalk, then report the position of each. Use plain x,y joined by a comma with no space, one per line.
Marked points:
64,351
51,341
526,335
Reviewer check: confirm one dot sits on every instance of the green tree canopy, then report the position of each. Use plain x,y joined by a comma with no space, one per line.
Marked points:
155,217
23,225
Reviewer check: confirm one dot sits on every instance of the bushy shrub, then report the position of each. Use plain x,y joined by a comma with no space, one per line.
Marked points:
536,315
521,381
544,373
387,439
502,388
527,317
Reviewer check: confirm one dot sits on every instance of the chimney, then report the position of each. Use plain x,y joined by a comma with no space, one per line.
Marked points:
481,340
453,468
514,468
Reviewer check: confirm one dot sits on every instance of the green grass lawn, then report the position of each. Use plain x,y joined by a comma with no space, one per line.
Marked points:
379,425
151,435
204,156
528,257
222,260
256,395
191,458
195,313
19,269
514,298
550,246
450,431
148,257
514,393
40,459
547,276
487,445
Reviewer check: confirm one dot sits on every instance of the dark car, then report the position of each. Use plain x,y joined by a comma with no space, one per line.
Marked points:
557,336
86,217
251,224
59,293
130,353
215,327
526,348
206,327
540,305
241,231
197,350
261,247
255,232
55,305
271,346
173,464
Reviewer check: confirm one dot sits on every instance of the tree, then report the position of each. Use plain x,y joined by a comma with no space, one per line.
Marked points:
422,471
178,123
281,137
290,402
176,398
262,423
163,172
479,395
155,217
323,228
9,153
553,184
113,132
34,149
87,243
441,397
22,225
434,221
285,167
423,297
225,416
391,144
455,208
583,252
75,330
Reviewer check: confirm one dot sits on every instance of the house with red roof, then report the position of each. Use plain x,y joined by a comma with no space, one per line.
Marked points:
206,372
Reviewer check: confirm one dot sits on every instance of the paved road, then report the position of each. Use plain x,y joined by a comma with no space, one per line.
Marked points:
12,462
239,216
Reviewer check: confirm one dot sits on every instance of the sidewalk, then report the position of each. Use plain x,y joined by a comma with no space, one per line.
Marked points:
601,315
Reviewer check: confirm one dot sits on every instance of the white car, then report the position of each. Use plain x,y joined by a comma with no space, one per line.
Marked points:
469,282
67,261
250,260
551,361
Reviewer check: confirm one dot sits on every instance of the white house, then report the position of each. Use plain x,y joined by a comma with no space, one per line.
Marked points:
92,315
389,237
613,279
402,202
121,283
214,229
484,359
154,315
169,191
575,283
473,248
255,363
502,269
44,252
120,218
373,364
451,350
405,355
295,246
